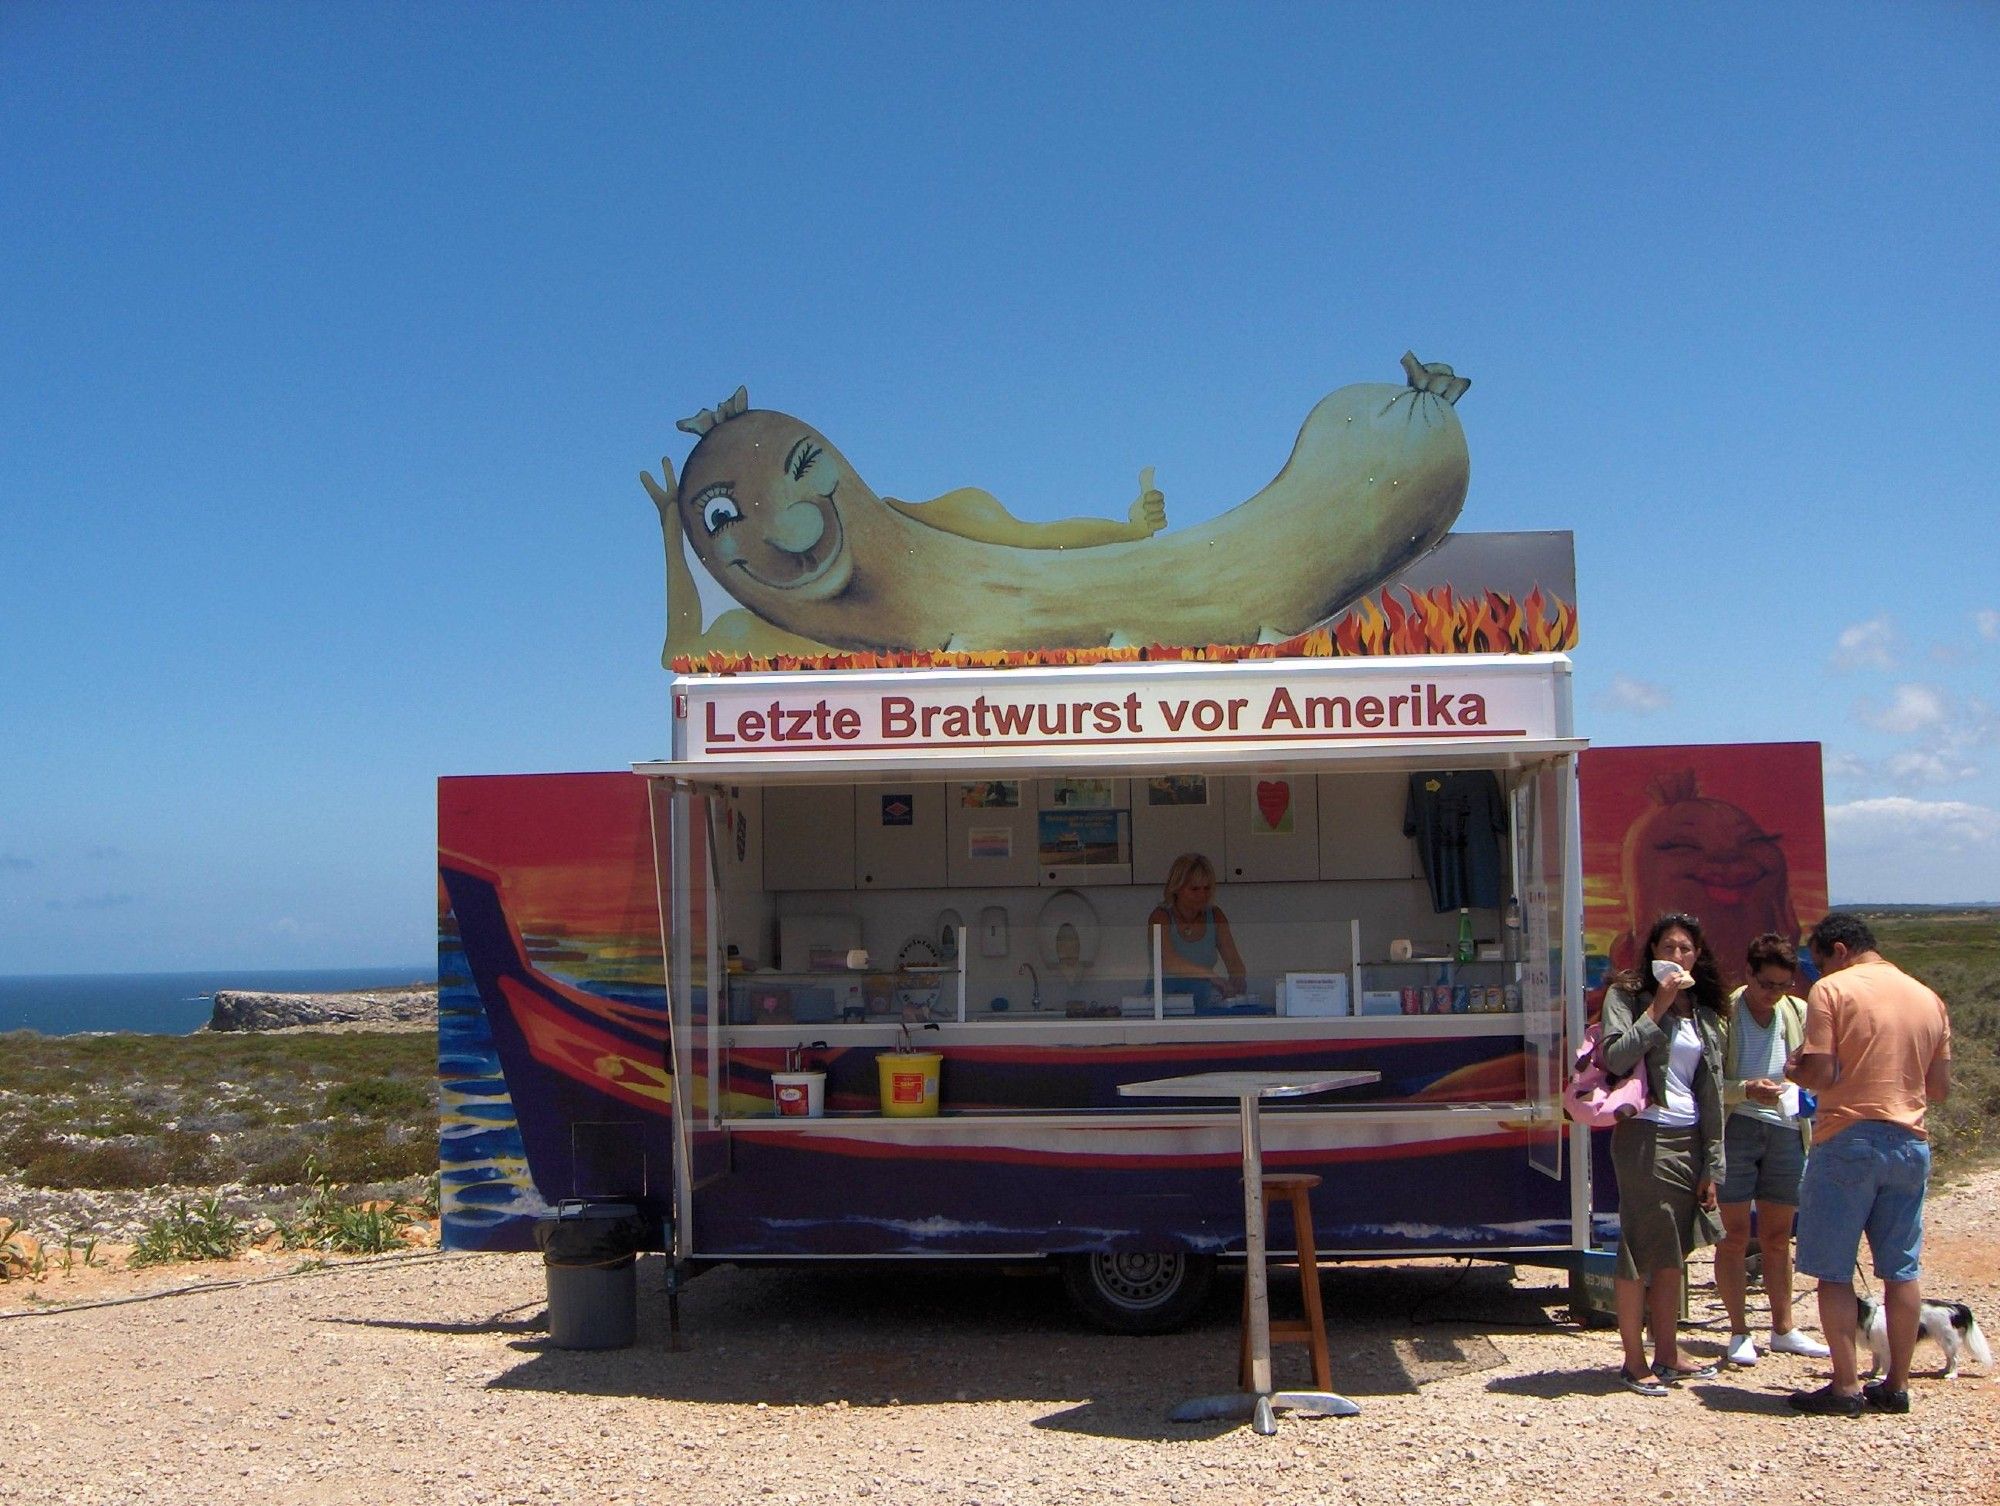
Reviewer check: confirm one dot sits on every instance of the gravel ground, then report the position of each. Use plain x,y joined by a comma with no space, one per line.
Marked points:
427,1378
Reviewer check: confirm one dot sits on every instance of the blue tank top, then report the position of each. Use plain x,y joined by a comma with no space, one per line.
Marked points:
1200,952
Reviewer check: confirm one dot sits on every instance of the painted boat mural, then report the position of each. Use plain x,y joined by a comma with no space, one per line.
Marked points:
557,1081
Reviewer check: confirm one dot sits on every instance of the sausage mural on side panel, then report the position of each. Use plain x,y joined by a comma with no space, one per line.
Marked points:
1733,834
819,561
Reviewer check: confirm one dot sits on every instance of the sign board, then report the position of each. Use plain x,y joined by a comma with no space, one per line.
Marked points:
1265,706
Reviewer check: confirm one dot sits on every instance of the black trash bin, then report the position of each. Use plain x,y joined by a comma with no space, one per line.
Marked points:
589,1252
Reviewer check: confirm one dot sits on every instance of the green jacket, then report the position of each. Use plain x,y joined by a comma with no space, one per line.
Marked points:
1791,1016
1629,1036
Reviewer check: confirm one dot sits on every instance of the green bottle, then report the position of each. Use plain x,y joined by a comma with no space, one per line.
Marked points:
1465,948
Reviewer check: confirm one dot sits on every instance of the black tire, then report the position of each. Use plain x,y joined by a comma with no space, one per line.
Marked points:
1138,1291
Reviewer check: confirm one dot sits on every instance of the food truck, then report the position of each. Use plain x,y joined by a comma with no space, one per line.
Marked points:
857,969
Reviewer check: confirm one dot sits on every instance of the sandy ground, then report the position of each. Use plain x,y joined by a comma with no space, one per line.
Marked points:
428,1378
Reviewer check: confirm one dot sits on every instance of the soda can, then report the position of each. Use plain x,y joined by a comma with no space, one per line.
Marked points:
1511,997
1441,999
1461,998
1495,999
1413,1001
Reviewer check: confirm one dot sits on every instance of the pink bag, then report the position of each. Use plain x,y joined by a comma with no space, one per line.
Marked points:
1595,1098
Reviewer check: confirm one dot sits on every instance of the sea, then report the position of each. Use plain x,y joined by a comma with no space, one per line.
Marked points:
171,1003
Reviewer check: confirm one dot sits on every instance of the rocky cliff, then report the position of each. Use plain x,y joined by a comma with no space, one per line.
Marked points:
379,1009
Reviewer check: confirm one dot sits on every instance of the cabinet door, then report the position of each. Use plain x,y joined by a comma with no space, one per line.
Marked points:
1181,823
899,836
1271,828
989,843
808,837
1361,827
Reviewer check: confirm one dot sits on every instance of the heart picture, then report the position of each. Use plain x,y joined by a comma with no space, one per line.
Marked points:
1274,805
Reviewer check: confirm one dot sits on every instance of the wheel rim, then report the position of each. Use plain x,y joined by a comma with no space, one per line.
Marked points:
1137,1280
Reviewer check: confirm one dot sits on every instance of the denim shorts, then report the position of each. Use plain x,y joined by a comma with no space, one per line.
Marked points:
1868,1179
1761,1160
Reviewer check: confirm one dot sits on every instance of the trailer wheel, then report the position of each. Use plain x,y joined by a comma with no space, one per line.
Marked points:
1138,1291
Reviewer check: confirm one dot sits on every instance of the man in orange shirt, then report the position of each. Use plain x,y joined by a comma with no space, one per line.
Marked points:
1877,1050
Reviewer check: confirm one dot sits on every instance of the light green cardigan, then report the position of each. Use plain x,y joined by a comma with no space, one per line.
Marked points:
1791,1017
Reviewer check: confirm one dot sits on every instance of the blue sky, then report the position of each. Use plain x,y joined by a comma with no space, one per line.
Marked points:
335,336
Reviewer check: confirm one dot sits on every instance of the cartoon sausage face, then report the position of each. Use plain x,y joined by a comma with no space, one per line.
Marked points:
1704,857
762,500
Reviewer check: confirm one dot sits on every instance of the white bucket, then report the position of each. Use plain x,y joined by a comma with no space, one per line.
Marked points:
799,1095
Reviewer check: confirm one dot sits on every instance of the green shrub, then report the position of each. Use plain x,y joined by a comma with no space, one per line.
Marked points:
44,1161
377,1098
190,1231
324,1222
373,1153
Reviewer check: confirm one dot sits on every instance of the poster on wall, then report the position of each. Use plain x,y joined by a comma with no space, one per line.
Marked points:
1177,789
1079,839
1733,834
990,795
1080,794
780,555
1272,813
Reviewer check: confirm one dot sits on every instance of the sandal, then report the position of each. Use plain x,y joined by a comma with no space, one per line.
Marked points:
1645,1386
1673,1375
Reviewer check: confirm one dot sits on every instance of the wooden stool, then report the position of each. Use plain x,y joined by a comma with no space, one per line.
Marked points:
1310,1331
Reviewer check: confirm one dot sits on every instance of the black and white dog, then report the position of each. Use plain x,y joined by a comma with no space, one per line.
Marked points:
1950,1325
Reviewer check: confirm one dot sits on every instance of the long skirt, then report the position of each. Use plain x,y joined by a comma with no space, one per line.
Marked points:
1660,1221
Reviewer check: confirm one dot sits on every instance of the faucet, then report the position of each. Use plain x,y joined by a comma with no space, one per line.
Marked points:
1035,1001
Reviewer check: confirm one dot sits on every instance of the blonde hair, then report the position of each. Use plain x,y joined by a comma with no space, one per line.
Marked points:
1188,866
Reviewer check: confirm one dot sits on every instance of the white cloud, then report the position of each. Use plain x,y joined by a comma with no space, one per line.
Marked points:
1911,709
1988,622
1847,766
1866,645
1898,850
1637,696
1897,820
1925,766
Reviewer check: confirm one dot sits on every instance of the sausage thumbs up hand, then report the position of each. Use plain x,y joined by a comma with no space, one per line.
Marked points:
1150,510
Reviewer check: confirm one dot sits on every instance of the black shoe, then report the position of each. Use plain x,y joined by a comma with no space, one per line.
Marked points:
1878,1396
1827,1402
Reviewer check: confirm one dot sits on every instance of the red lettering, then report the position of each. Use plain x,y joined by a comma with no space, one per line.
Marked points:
1013,721
847,723
1324,711
1437,708
1175,712
1106,714
898,716
1132,712
1281,709
1207,715
715,733
1235,712
750,726
1472,711
1368,711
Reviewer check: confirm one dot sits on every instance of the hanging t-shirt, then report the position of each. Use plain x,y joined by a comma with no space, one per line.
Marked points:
1458,819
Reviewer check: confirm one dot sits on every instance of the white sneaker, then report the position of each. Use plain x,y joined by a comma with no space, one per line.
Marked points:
1741,1351
1797,1343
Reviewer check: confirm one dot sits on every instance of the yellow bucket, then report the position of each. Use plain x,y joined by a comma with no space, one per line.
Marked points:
909,1083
